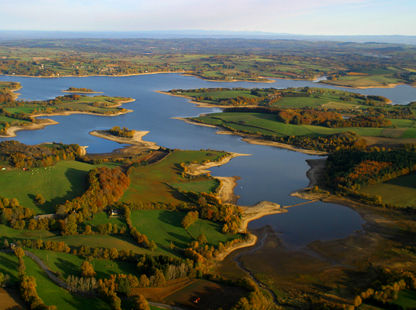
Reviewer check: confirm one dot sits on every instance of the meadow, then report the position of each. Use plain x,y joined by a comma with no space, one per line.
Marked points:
164,227
52,294
66,264
267,124
160,182
399,192
58,183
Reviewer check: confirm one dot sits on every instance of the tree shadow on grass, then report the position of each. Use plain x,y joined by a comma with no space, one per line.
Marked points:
12,265
408,181
68,268
78,180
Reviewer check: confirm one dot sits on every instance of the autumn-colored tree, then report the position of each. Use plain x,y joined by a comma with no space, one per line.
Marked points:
39,199
140,303
190,218
87,270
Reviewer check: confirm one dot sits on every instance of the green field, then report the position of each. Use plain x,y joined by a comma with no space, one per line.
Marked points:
406,299
331,99
103,218
165,227
380,78
266,124
8,232
120,242
400,191
64,181
9,265
69,264
159,182
52,294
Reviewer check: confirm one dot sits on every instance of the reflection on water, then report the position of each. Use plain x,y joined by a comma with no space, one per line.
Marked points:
268,174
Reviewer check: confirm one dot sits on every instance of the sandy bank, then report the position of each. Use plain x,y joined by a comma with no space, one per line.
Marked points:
197,169
225,191
263,208
136,140
251,213
11,131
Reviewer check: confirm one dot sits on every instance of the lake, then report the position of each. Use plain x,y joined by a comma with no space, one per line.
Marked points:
268,174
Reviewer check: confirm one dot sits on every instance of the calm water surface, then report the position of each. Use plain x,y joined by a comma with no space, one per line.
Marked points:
268,174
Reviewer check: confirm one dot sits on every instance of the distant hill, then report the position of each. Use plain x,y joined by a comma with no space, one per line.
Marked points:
18,35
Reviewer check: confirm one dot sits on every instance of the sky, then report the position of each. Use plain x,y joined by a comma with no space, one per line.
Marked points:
311,17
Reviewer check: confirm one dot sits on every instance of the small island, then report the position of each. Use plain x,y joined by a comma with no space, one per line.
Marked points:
81,90
126,136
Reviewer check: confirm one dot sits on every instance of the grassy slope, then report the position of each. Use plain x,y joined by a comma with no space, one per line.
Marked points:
329,99
55,295
9,265
268,125
158,182
64,181
165,227
400,191
68,264
406,299
103,218
375,79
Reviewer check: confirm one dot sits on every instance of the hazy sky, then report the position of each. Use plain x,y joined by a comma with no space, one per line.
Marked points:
280,16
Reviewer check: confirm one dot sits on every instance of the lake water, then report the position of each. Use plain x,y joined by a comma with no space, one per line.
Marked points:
268,174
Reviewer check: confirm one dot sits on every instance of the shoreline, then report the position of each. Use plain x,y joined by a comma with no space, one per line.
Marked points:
136,140
11,131
254,139
225,190
317,166
82,92
391,85
249,213
185,73
191,100
199,103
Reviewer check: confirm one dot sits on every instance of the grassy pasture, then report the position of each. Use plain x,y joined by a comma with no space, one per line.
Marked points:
266,124
63,181
160,181
406,299
69,264
165,227
103,218
329,99
119,242
52,294
372,80
400,191
9,265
